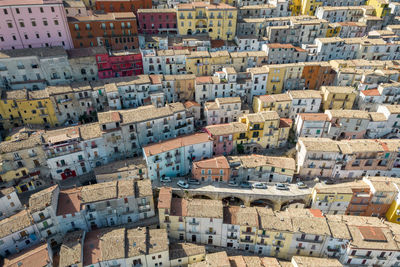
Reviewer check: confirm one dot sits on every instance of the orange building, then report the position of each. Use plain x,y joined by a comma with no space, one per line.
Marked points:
113,30
122,5
317,74
214,169
360,201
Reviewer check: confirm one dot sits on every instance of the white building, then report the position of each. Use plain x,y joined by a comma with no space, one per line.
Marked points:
304,101
259,82
17,233
392,114
9,202
311,125
174,157
222,110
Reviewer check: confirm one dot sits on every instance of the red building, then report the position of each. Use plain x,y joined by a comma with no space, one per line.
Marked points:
155,21
122,5
119,64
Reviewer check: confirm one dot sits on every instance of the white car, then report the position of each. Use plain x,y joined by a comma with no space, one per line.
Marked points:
260,185
233,184
182,184
165,180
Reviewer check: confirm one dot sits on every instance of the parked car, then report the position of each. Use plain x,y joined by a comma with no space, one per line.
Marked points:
165,180
260,186
281,187
328,181
233,184
193,181
301,185
182,184
245,185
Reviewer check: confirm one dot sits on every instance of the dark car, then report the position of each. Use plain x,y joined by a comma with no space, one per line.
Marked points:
245,185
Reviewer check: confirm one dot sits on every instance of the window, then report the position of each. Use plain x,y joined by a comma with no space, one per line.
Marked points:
21,24
55,22
17,10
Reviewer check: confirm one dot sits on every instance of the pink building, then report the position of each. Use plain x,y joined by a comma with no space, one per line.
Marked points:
222,135
33,23
155,21
211,170
119,64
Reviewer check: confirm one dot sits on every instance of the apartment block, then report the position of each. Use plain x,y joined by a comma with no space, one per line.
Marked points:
352,29
83,63
118,63
304,101
392,115
347,124
218,20
18,232
22,107
311,125
343,13
261,168
323,157
35,24
281,103
284,53
9,202
157,21
174,157
167,62
122,5
215,169
116,31
226,137
223,110
337,97
34,68
23,159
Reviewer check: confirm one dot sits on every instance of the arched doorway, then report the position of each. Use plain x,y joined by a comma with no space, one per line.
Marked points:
262,203
232,201
201,197
296,204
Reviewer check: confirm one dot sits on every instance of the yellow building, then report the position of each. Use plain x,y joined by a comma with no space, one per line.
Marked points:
333,30
337,97
217,20
393,213
275,79
381,7
265,129
22,156
281,103
308,7
22,107
219,60
295,7
333,199
183,85
198,63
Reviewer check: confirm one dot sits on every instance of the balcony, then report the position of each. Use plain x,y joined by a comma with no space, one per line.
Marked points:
166,130
62,153
231,236
382,258
149,134
247,233
308,240
246,241
300,247
333,249
194,223
279,237
361,257
34,154
211,232
278,245
263,235
179,126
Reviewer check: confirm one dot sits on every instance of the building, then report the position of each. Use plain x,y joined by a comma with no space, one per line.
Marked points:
124,169
311,125
34,69
17,233
304,101
174,157
83,63
223,110
261,168
22,107
122,5
40,254
281,103
119,63
157,21
35,24
218,20
280,53
392,115
23,159
215,169
9,202
337,97
117,31
225,136
346,123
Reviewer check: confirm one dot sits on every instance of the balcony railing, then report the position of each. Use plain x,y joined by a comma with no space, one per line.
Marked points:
247,233
246,240
308,240
194,223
